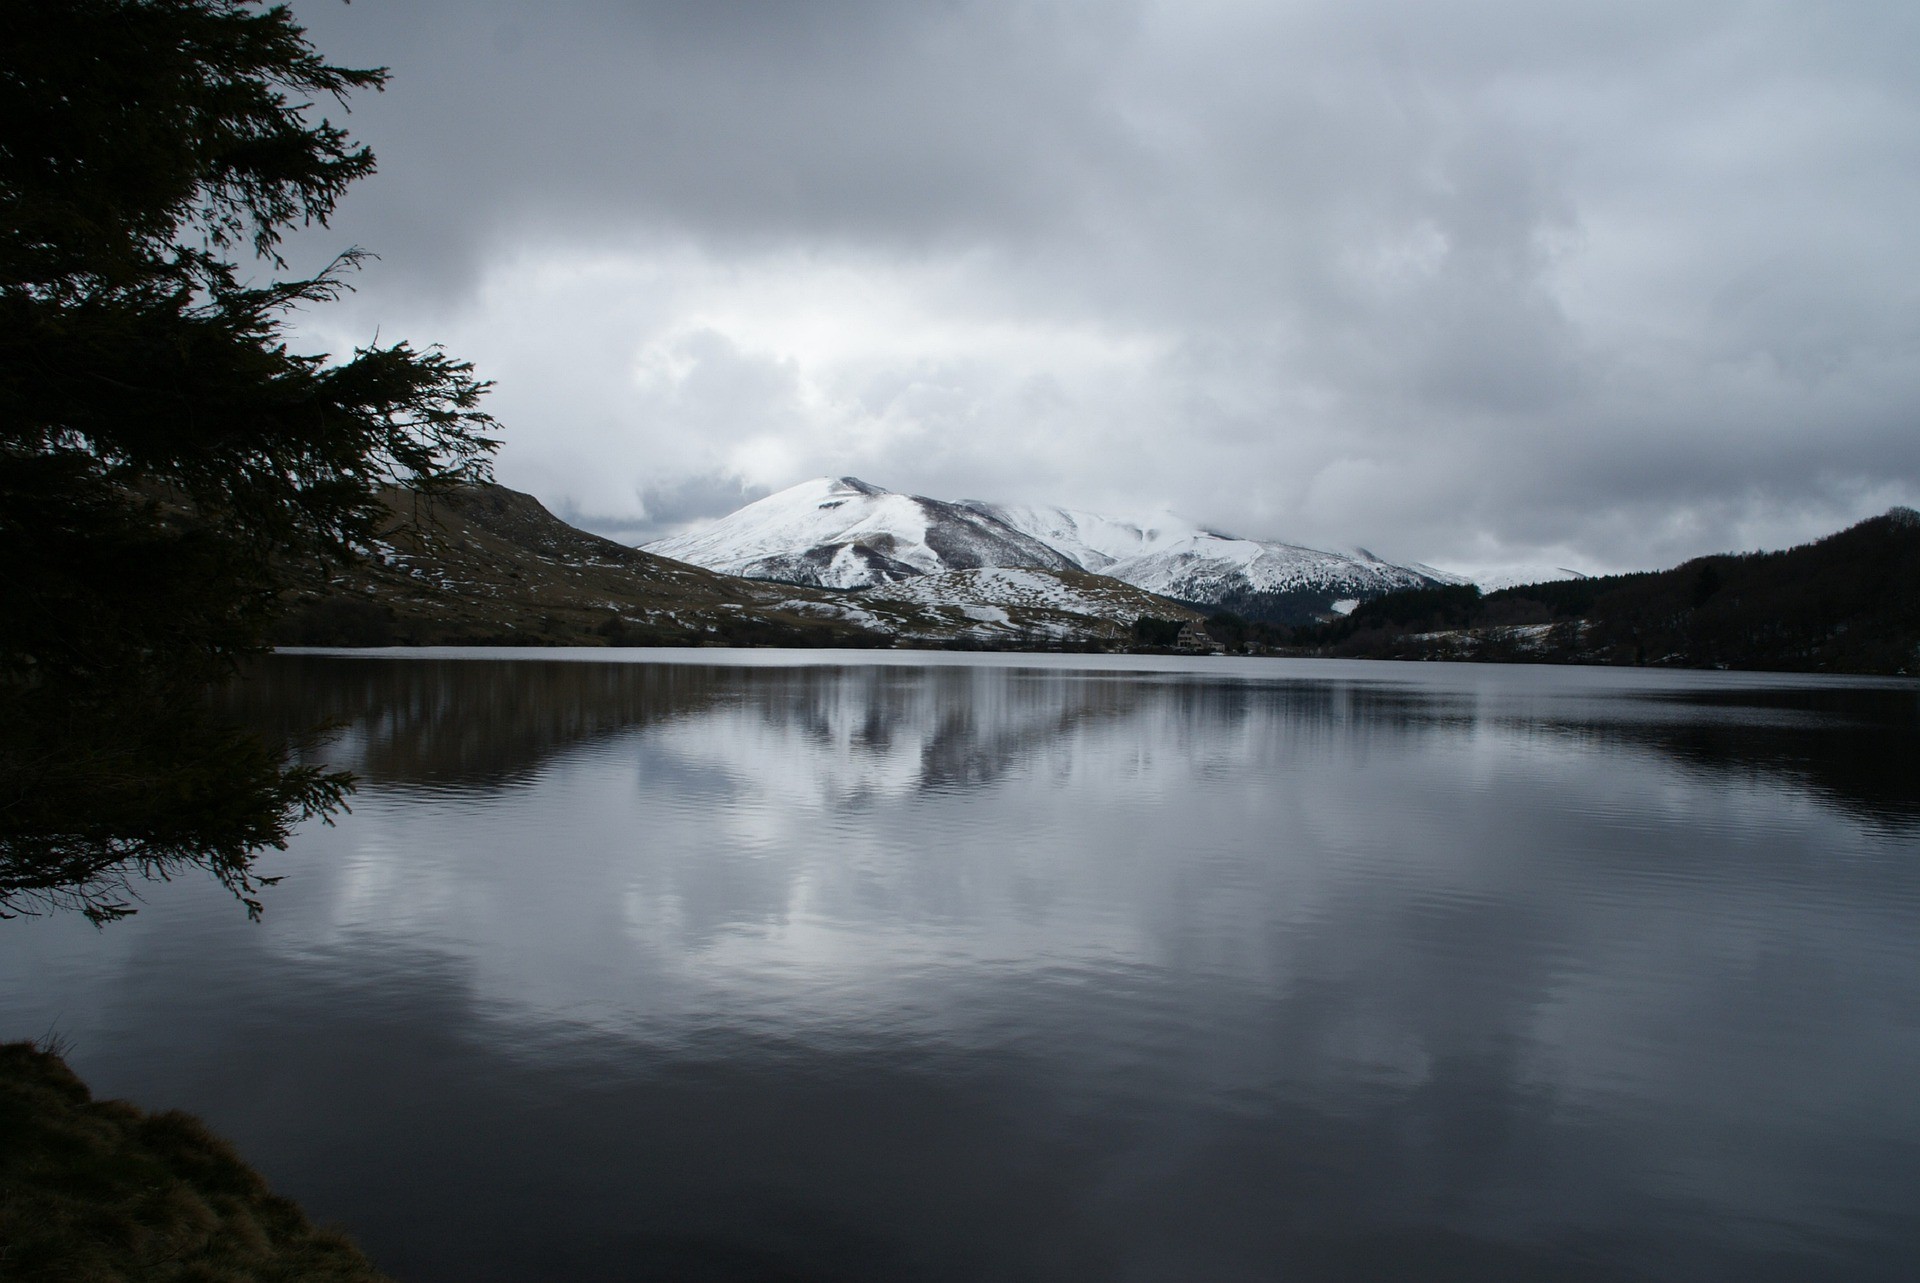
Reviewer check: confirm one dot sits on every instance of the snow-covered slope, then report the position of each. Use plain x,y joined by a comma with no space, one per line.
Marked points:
840,532
1495,578
1175,558
843,533
1092,541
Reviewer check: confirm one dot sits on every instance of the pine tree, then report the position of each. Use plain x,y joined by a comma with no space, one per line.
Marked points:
168,467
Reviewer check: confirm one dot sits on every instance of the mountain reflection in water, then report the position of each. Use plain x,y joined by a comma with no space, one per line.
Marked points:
1018,968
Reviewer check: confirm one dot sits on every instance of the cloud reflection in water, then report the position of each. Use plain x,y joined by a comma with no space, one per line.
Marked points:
979,969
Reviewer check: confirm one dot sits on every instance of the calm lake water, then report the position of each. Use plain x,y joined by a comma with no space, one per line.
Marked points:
768,966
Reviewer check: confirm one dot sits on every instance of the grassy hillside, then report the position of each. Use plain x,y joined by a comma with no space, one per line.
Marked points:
1847,603
488,565
99,1190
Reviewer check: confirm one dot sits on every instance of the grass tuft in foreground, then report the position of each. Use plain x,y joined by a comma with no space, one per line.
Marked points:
98,1191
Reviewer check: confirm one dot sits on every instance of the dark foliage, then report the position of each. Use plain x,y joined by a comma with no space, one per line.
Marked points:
1848,603
1150,631
1568,598
168,469
1284,609
1410,610
1451,603
1242,636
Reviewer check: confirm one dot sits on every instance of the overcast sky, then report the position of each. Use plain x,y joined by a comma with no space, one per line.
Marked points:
1604,285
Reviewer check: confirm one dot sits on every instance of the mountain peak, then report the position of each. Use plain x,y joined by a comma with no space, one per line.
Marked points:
820,490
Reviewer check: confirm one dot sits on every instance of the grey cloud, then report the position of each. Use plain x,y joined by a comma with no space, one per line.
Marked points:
905,124
1626,279
666,509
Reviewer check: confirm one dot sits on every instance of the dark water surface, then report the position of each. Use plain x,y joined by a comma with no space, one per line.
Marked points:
895,967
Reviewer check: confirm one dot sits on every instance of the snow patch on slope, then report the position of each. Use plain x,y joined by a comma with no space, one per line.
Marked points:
1090,540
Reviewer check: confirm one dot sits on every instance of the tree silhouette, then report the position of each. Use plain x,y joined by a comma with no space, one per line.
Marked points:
168,467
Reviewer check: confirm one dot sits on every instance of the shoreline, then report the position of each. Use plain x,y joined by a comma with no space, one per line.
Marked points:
895,656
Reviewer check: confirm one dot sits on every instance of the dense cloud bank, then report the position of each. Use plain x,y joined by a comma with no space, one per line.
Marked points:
1602,285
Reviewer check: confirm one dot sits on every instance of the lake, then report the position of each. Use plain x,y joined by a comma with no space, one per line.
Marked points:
762,965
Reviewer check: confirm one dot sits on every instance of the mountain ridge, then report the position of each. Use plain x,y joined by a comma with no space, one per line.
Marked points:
842,532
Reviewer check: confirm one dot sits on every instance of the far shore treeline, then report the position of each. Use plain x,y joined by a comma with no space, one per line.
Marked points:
1849,603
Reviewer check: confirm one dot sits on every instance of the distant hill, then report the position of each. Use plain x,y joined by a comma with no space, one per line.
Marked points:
488,565
1847,603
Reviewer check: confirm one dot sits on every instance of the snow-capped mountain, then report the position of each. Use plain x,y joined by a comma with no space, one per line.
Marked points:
1176,558
1268,580
845,533
840,532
